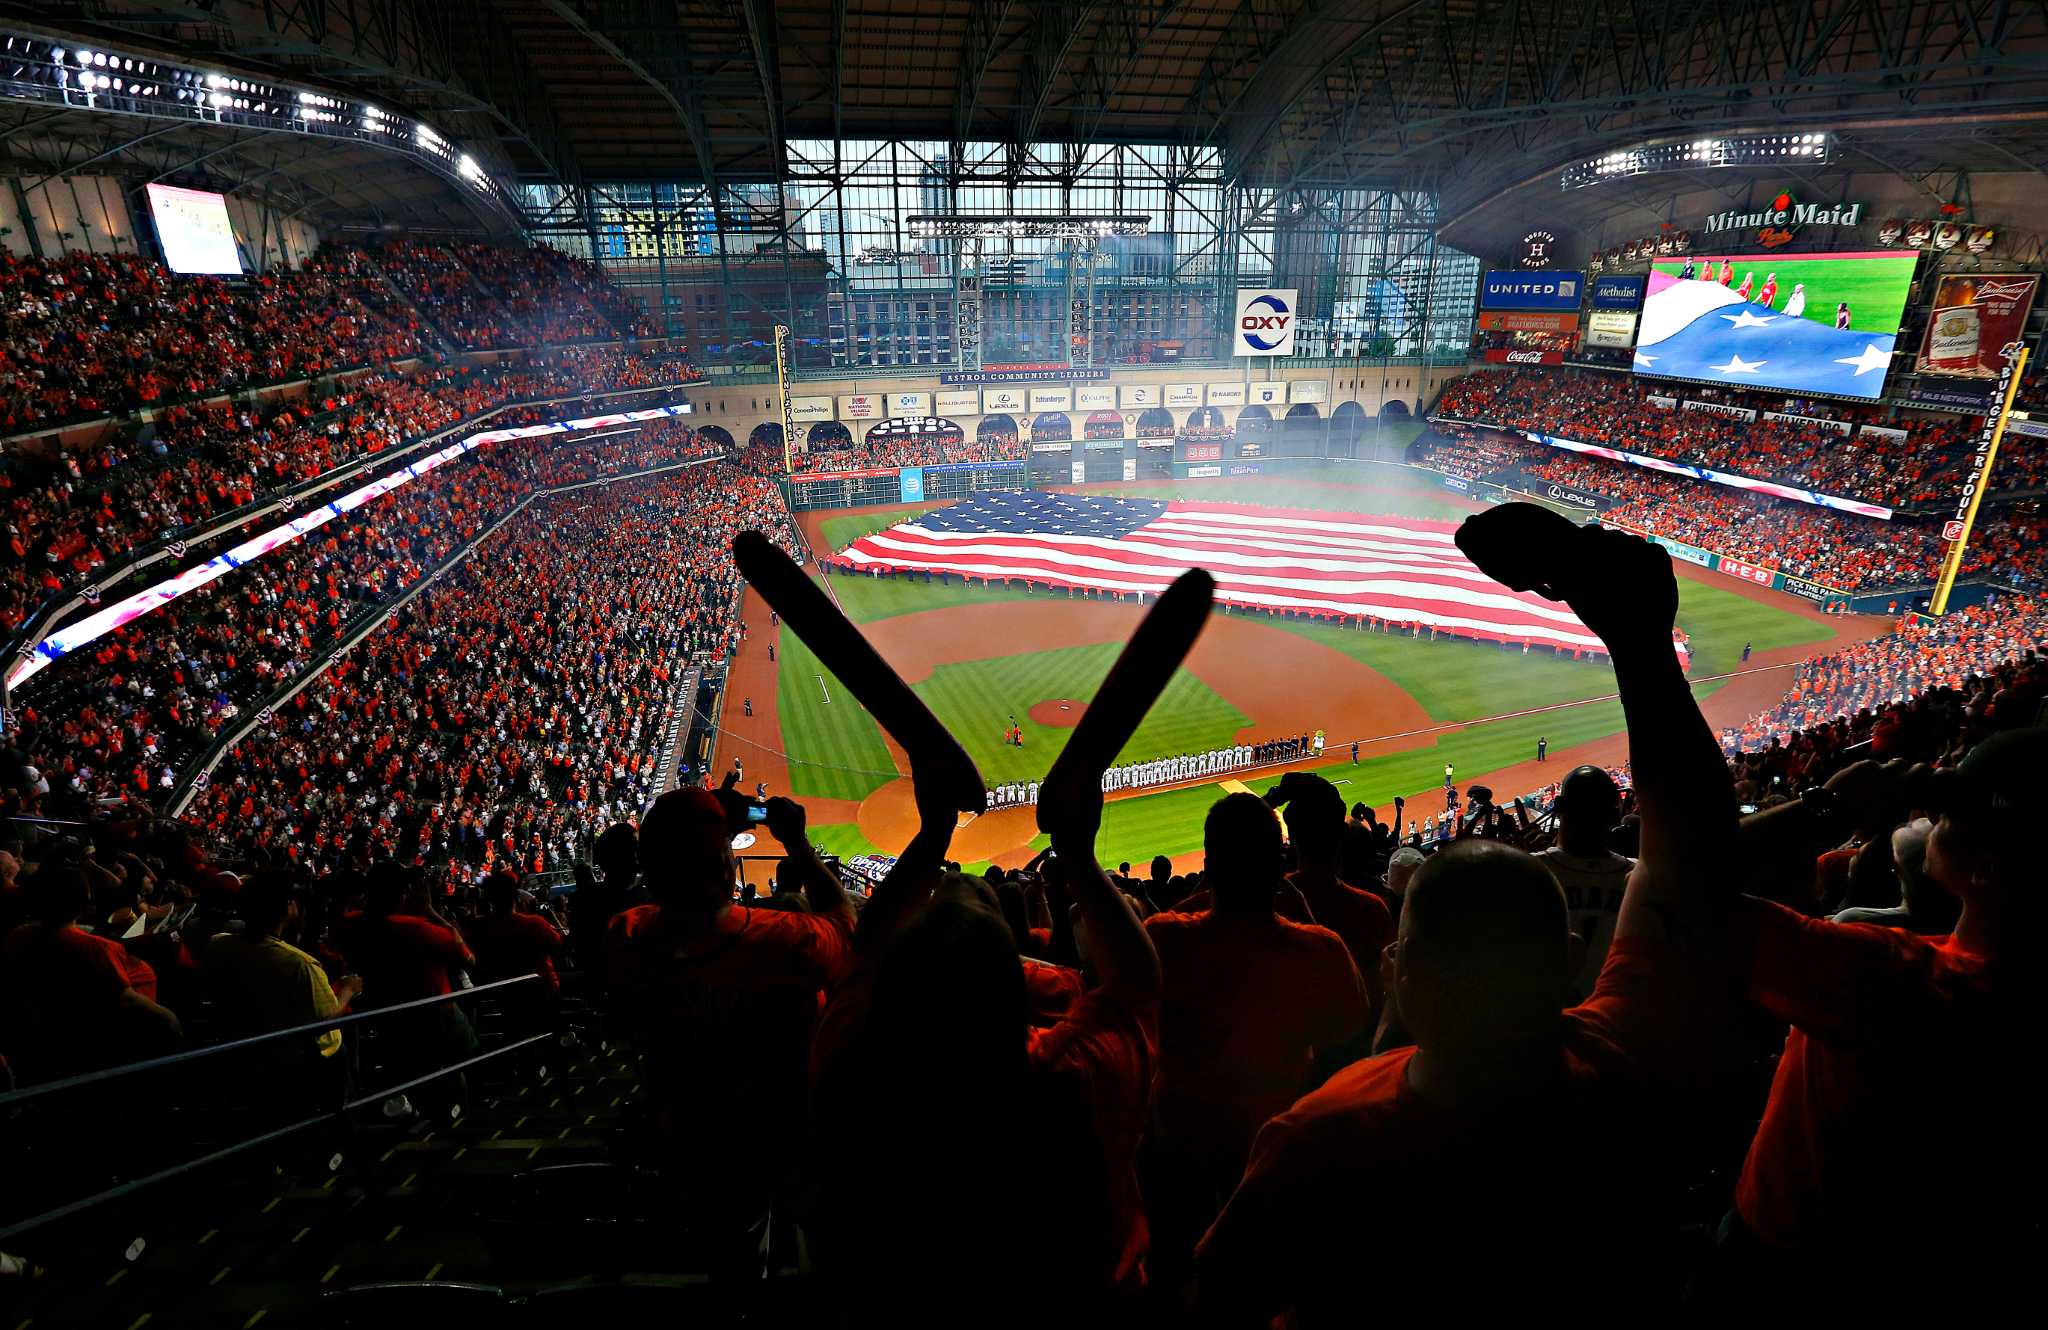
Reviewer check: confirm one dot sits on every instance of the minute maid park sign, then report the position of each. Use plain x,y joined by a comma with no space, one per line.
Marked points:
1775,224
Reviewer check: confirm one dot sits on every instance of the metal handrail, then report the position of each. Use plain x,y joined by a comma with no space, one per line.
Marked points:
26,1093
134,1185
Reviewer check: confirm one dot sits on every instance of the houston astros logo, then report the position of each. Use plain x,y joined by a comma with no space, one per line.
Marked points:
1251,324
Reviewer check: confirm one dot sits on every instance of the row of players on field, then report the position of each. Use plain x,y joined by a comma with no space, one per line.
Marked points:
1171,770
1795,304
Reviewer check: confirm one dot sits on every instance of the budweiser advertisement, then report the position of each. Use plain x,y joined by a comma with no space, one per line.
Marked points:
1500,356
1975,315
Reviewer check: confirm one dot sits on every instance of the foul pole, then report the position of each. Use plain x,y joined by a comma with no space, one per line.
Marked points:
1956,531
782,390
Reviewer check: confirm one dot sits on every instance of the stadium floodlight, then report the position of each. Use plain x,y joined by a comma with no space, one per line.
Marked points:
1809,149
979,226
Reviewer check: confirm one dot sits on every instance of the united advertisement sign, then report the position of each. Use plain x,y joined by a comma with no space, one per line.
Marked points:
1552,289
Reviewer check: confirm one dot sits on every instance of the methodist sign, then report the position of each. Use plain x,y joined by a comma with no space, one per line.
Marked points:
1618,292
1265,322
1549,289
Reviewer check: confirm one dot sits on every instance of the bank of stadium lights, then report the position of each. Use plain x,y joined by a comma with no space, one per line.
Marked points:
963,226
84,78
1699,154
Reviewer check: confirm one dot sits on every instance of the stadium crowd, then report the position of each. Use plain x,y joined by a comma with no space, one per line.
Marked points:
1842,551
70,512
98,334
516,709
1628,1033
1872,687
495,296
112,722
1919,469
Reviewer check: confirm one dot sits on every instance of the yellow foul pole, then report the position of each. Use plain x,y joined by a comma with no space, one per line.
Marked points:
1957,530
782,389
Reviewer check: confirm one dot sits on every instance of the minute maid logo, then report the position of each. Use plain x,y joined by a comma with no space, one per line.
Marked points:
1265,322
1777,223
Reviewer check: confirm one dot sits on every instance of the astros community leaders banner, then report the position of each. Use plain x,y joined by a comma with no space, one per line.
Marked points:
1544,289
1265,322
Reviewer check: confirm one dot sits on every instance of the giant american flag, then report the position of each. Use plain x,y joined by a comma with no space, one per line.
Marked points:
1401,570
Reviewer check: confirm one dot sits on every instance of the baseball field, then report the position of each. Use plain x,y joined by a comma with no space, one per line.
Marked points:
987,659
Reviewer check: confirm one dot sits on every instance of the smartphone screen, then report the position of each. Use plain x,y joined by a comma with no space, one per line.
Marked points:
757,813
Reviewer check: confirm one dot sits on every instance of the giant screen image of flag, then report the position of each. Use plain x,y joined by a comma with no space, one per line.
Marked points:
1403,571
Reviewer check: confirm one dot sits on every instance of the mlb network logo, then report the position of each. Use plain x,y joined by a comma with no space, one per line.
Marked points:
1265,323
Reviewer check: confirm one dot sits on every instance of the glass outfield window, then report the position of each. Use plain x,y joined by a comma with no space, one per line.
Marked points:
861,248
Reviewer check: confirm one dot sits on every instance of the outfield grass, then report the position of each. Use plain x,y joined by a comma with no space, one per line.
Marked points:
1876,289
1720,620
839,753
866,599
839,532
835,748
975,700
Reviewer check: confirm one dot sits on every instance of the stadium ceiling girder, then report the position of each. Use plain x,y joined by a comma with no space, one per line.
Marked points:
1474,91
44,146
442,54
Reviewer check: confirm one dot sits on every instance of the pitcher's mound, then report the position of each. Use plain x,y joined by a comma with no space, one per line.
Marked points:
1061,712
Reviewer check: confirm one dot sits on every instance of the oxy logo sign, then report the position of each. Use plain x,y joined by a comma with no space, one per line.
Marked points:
1265,323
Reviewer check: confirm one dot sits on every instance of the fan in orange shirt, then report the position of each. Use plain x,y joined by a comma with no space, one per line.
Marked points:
1249,999
1514,1137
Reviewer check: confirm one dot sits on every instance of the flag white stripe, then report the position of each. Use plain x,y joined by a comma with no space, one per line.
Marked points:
1072,552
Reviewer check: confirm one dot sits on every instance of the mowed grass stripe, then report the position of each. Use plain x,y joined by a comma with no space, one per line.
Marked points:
835,748
976,699
865,599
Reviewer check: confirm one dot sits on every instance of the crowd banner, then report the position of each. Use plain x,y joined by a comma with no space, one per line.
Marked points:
1777,491
1668,403
1744,413
1805,588
1821,422
1969,398
1885,432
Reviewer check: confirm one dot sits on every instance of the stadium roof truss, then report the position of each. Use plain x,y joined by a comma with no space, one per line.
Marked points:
1465,98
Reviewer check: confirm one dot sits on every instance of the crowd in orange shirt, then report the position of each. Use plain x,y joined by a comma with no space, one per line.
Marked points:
98,334
1923,469
1208,1069
1872,685
115,720
516,709
70,514
490,295
1841,550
